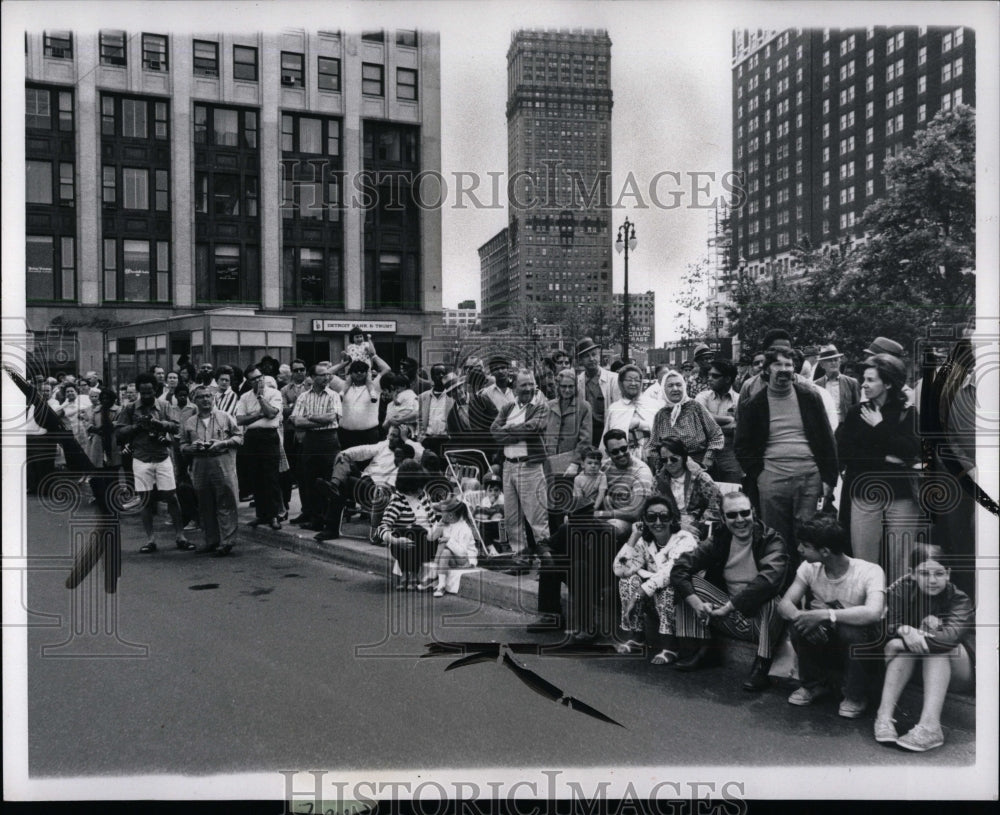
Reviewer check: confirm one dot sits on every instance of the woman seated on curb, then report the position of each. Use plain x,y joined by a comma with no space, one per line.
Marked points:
643,566
931,624
406,521
693,490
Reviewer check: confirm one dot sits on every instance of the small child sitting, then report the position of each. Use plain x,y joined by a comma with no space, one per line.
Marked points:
457,547
359,348
591,485
490,505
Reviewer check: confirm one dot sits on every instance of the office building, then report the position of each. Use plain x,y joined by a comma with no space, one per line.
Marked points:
494,281
641,318
223,196
816,114
559,161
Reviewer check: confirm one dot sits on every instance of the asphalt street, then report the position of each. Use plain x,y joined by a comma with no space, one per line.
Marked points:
269,659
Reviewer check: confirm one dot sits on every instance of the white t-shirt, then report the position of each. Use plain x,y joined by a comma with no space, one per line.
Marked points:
851,589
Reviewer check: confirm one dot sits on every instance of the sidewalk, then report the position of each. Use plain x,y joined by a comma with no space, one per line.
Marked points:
516,593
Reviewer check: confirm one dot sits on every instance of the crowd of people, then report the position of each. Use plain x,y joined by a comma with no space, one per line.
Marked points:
701,502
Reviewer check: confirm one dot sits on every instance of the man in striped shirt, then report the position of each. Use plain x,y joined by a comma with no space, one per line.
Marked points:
317,414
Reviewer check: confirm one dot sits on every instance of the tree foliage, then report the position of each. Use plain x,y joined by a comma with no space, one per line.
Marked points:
916,268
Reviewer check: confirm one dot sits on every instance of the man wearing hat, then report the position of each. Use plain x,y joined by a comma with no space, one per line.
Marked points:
698,381
360,396
883,345
810,356
434,406
500,392
844,390
598,386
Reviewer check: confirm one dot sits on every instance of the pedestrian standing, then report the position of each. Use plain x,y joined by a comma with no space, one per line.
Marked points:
317,414
258,412
211,438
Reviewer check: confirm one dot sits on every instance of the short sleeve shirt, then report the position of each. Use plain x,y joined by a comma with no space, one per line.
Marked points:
850,589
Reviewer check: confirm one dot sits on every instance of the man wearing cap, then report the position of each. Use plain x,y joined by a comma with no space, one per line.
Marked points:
598,385
883,345
434,406
698,381
520,427
500,392
844,390
258,412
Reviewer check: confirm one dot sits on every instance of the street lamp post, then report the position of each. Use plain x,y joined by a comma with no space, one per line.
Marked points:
626,240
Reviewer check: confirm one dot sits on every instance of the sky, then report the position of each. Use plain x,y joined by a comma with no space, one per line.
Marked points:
670,79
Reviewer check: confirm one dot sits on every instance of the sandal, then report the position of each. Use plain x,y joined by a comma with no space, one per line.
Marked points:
665,657
628,647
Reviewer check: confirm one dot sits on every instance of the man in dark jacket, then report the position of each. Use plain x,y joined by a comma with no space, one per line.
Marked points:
845,390
746,569
785,445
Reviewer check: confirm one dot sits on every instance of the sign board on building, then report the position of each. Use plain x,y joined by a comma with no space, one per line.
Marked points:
378,326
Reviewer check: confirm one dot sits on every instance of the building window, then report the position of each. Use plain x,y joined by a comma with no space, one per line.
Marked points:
921,113
869,83
133,118
50,268
922,55
870,161
206,58
222,127
292,71
329,74
227,272
58,44
67,184
373,36
870,187
869,135
245,63
870,57
135,188
406,84
372,79
109,187
112,44
922,84
38,182
154,52
407,38
162,193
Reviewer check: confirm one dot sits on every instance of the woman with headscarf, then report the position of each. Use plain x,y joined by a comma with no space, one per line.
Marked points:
631,413
691,488
683,418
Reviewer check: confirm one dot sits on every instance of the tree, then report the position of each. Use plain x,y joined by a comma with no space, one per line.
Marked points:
921,254
916,268
691,299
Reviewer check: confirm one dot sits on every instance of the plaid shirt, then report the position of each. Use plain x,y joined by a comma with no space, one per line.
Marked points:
311,403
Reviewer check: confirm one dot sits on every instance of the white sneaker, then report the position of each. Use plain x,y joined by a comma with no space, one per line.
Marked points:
852,708
806,696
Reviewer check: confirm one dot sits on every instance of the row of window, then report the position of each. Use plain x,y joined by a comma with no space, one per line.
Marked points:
114,52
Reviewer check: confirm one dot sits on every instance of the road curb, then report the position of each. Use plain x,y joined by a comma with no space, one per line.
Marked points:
520,593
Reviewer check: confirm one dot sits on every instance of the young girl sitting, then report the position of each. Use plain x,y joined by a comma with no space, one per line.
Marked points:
930,624
643,566
591,485
457,547
359,347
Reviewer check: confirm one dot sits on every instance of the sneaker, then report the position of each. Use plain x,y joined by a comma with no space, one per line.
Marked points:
885,731
806,696
852,708
132,503
439,592
149,548
191,526
921,738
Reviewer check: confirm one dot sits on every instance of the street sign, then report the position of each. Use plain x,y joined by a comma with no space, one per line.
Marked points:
378,326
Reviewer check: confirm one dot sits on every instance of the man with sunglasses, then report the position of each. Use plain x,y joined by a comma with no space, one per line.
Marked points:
745,566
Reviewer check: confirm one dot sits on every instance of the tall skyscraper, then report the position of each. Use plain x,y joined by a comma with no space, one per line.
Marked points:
171,176
559,160
816,113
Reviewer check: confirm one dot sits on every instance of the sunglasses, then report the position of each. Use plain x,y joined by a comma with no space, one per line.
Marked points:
673,459
618,451
661,517
742,513
298,370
